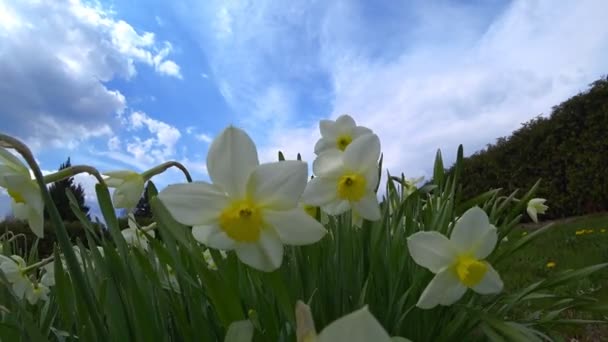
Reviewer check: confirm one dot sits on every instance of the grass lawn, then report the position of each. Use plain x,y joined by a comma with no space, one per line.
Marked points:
570,244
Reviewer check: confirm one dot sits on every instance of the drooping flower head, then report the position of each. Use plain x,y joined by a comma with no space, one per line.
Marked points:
26,199
128,187
250,208
14,270
347,180
458,262
337,135
536,206
135,236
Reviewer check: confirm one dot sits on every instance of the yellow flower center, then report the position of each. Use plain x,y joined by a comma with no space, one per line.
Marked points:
351,187
343,141
470,271
310,210
242,221
16,196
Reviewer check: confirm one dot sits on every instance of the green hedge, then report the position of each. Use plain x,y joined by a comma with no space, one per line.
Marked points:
568,151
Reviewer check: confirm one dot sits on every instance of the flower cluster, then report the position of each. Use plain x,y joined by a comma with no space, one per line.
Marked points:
254,209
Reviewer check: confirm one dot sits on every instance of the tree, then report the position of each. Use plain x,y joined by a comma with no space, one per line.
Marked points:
57,191
143,209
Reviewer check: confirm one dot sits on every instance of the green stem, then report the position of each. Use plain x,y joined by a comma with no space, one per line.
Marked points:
62,235
163,167
72,171
39,264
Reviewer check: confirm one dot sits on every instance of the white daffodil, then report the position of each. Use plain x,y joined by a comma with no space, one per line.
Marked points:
337,135
48,277
347,180
135,236
410,185
358,326
249,208
36,292
458,262
128,187
14,270
26,199
536,206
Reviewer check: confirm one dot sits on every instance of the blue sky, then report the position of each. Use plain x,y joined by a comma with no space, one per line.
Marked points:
130,84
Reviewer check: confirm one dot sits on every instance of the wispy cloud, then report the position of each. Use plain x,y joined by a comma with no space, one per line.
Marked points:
423,75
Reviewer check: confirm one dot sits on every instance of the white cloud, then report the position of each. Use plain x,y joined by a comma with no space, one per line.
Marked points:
114,143
151,142
457,74
55,60
204,138
169,68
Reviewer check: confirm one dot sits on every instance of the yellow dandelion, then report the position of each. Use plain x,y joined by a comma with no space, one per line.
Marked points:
580,232
551,264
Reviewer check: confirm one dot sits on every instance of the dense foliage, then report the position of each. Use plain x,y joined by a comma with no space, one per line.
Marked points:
568,150
58,193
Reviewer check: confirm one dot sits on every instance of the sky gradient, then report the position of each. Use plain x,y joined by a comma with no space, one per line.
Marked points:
128,85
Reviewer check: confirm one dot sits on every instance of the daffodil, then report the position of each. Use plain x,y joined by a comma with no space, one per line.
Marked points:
26,199
14,270
358,326
250,208
36,292
347,180
135,236
410,185
458,262
128,187
536,206
337,135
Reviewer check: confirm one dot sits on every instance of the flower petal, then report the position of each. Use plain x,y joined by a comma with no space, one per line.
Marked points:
328,128
336,207
358,326
193,204
533,214
473,232
127,194
431,250
360,131
324,144
295,227
12,161
35,220
278,185
240,331
265,255
444,289
368,207
320,191
485,243
490,283
362,153
213,236
345,124
231,158
328,164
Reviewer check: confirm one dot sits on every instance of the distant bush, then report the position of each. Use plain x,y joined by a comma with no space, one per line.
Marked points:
568,150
